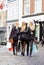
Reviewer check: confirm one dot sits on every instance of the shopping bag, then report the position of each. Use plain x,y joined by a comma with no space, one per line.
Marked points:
35,50
9,46
10,49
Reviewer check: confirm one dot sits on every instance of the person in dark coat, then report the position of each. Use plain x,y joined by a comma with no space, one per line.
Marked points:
31,35
23,38
13,35
31,43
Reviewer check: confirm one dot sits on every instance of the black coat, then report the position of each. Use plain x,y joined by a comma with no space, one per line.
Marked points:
25,35
13,33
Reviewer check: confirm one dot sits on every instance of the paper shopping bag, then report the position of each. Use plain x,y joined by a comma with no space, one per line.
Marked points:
9,46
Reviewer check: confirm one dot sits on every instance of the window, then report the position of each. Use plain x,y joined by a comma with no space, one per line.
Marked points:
38,6
26,7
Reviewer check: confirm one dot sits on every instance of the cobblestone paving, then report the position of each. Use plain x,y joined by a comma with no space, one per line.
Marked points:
7,58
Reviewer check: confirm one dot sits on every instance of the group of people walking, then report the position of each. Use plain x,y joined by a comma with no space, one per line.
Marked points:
26,36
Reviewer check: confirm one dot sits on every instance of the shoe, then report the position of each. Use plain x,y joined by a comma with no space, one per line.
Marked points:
22,54
13,53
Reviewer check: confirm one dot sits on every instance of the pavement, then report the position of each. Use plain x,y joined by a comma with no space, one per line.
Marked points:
7,57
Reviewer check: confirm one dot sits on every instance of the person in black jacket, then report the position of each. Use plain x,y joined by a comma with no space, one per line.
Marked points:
31,35
23,39
14,37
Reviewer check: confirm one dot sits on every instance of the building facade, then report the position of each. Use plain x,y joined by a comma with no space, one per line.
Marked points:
3,19
26,11
12,15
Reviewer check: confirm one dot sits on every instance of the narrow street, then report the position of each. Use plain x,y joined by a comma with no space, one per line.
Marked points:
7,57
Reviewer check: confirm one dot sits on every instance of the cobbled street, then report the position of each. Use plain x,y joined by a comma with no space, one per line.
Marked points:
7,57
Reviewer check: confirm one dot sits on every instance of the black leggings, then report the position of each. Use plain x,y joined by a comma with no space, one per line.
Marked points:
31,47
14,45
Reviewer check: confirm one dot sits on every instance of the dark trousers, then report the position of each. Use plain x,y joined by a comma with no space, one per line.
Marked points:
19,46
14,47
27,48
31,47
42,43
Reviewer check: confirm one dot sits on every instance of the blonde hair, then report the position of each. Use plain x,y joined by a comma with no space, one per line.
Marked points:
17,24
23,26
31,25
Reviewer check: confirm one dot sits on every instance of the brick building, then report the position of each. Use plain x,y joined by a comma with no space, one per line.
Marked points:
27,11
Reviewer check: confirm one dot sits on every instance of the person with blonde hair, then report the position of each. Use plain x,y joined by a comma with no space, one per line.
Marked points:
32,35
14,38
17,25
23,26
31,25
22,38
